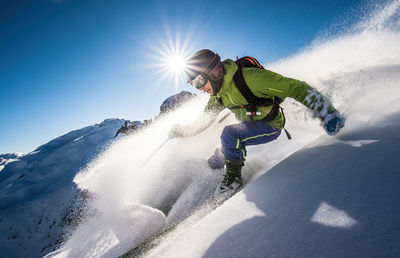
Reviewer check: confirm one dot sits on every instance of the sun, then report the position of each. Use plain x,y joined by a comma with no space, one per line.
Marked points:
176,63
169,55
173,62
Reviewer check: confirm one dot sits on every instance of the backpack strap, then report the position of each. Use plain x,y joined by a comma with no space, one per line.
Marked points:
253,100
284,122
242,85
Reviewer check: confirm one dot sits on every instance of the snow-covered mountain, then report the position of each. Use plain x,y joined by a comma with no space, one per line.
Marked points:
40,205
39,202
7,158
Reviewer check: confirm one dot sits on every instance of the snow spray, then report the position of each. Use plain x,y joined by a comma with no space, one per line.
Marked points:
358,69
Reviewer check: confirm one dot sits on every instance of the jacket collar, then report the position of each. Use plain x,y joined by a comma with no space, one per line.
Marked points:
230,70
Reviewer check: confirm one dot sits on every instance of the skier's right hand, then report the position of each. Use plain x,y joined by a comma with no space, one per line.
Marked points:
333,123
176,131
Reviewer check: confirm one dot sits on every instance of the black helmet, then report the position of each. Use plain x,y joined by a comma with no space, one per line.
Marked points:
202,62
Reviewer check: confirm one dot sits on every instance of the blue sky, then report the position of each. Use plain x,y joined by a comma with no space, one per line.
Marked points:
66,64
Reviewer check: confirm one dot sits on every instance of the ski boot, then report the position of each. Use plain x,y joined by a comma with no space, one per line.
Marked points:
232,179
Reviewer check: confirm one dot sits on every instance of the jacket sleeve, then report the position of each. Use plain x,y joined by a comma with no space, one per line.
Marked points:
214,106
266,83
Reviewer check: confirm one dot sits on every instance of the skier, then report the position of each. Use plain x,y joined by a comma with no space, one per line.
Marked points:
261,118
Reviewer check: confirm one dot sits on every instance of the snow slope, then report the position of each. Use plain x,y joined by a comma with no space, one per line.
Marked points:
322,196
39,202
338,197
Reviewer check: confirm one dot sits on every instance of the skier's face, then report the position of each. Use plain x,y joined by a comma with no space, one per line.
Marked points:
207,88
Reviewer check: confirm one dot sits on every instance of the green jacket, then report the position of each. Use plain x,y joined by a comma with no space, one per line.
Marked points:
266,84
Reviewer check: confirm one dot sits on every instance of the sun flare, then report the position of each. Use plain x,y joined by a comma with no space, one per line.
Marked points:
173,62
176,63
170,56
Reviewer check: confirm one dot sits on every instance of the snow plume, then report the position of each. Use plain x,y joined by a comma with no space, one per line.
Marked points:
385,16
359,71
141,188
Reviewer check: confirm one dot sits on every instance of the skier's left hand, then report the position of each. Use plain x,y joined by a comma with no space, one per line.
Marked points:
333,123
176,131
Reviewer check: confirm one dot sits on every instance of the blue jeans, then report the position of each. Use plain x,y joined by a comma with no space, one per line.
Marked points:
236,137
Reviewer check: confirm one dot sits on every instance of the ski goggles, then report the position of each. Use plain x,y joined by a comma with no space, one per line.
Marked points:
199,81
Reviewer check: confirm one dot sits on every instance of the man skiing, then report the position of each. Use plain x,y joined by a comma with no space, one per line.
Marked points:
253,94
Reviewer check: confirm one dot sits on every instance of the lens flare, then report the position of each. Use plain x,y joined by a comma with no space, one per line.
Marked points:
169,56
176,63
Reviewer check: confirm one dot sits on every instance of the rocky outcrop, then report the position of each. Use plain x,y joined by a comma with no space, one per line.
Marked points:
175,101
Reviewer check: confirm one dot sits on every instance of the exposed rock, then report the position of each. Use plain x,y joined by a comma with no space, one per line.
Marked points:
175,101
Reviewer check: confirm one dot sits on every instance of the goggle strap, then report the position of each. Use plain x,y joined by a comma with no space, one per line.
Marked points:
213,64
